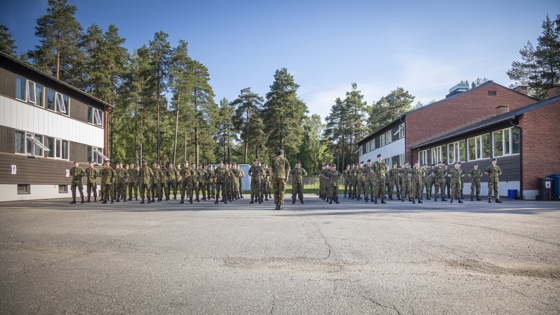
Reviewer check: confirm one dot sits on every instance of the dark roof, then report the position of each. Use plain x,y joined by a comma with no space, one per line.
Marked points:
488,122
485,84
7,59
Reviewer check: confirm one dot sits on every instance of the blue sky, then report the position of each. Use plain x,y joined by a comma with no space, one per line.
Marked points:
425,47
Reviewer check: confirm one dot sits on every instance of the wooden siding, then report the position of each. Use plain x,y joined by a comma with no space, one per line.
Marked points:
31,171
79,110
510,165
7,139
7,83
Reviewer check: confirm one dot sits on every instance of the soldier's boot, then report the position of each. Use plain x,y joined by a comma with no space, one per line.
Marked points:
73,201
112,200
260,200
383,200
104,201
367,199
190,200
472,198
330,202
420,200
142,202
265,198
124,199
301,201
498,200
251,202
489,200
428,197
82,200
182,200
118,199
136,197
374,200
477,198
149,201
88,200
225,201
402,199
95,199
460,201
435,199
197,199
344,195
293,200
215,202
414,200
203,198
443,199
451,200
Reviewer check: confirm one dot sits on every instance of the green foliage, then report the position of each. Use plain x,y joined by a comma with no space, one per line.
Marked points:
313,151
539,67
7,44
247,120
389,107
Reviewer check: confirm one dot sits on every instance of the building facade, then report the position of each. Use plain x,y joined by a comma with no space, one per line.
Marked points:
45,125
524,141
461,107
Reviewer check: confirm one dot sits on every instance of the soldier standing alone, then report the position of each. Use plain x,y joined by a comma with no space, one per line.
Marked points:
493,172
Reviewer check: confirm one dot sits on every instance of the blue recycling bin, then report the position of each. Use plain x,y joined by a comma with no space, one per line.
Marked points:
512,194
555,185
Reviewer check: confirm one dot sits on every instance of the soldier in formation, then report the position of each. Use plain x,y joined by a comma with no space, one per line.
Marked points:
455,176
394,182
145,175
475,174
76,174
298,173
122,177
279,173
91,182
132,181
108,175
379,176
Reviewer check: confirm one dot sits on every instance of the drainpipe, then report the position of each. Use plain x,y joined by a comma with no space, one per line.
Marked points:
520,156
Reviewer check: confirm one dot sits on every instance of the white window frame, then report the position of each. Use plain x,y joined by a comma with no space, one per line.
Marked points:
508,145
31,138
400,131
423,157
59,103
97,155
24,90
95,116
389,137
401,160
382,140
30,91
58,152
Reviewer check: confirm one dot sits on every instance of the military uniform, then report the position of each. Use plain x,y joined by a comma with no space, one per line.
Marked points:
187,175
493,172
254,172
91,176
298,174
416,175
171,182
108,175
440,174
122,176
455,175
367,174
394,182
347,175
76,173
145,181
280,173
156,183
221,182
404,174
475,174
333,175
133,182
379,177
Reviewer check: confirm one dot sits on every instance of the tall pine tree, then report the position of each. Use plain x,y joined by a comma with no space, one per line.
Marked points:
7,44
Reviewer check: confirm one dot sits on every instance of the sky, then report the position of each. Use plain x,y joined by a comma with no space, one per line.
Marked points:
425,47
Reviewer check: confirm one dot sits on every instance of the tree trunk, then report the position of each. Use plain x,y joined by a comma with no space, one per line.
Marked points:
176,131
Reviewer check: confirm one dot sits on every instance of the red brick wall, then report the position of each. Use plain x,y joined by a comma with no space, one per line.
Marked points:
458,111
541,144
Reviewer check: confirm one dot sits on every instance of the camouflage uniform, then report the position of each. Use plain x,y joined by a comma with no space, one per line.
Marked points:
221,178
171,182
440,173
254,172
404,174
132,183
475,174
91,175
361,183
416,176
122,176
493,172
333,175
107,176
187,175
280,173
379,176
156,183
394,181
76,173
145,175
297,183
347,174
455,180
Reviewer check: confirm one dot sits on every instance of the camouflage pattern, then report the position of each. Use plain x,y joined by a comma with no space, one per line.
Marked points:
280,172
76,174
298,173
145,181
475,174
91,182
494,172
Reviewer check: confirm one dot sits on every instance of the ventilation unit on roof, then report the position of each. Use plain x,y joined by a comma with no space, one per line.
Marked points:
459,88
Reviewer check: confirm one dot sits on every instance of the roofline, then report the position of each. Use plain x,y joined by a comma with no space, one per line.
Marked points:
400,117
50,77
492,121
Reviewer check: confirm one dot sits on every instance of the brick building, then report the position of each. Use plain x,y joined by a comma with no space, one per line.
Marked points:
524,140
461,107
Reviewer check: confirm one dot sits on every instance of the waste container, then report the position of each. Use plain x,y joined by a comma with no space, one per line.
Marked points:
512,194
545,188
555,186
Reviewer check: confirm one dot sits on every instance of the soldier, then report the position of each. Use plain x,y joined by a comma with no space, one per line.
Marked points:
107,176
431,181
347,175
91,175
379,176
416,175
455,179
145,175
156,183
333,175
393,180
171,182
425,180
493,172
235,181
163,182
367,173
475,174
353,180
447,181
76,173
221,174
187,183
122,177
297,182
361,182
404,174
439,179
132,181
322,186
280,173
254,172
241,175
268,182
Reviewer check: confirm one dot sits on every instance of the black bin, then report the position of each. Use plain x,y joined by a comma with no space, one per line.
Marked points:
545,188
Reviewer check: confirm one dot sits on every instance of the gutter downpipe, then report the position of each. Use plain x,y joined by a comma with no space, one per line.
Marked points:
520,156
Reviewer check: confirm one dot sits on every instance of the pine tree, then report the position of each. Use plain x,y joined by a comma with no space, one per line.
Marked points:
356,110
284,113
389,107
59,34
313,151
226,134
247,105
337,132
7,44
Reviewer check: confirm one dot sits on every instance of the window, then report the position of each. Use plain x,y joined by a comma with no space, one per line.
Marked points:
423,157
23,189
21,87
485,150
58,148
31,92
62,189
40,95
401,131
29,143
372,144
479,147
457,151
95,116
50,99
382,140
62,103
437,154
389,137
505,142
364,149
96,155
492,93
401,160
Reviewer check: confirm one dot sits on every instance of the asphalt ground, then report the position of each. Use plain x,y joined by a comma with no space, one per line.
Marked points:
316,258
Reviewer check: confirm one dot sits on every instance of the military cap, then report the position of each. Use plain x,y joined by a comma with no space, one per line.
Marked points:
75,161
298,162
280,151
91,162
494,159
395,163
379,155
439,162
107,161
369,160
475,163
255,160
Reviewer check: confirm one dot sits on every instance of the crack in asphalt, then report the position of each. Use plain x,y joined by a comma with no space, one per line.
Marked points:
373,301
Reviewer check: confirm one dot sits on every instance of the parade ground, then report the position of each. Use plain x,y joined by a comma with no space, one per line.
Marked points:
316,258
